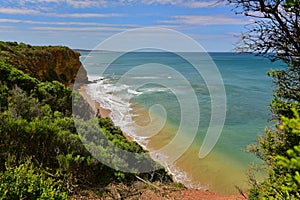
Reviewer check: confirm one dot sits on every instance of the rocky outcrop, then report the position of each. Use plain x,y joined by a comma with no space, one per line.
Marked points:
47,63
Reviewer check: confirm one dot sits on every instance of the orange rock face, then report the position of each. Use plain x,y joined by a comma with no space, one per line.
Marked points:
47,63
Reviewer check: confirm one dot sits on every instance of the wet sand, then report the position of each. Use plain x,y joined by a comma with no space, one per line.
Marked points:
99,111
94,104
145,119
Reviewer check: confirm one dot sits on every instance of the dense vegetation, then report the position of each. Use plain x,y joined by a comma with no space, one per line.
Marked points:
276,34
47,63
41,153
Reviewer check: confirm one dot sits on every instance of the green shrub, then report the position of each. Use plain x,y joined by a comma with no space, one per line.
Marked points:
283,180
29,182
36,121
115,135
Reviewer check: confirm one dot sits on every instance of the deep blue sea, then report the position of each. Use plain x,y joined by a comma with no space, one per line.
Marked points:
169,86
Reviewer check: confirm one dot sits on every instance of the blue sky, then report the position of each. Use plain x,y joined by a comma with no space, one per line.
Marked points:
85,23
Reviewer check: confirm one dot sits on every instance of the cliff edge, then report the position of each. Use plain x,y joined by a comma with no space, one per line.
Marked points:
47,63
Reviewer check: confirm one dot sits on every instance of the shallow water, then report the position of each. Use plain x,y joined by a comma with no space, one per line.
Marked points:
248,91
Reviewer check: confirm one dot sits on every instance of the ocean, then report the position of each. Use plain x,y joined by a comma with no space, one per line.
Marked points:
158,97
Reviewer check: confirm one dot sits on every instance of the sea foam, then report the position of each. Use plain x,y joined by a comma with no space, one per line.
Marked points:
116,98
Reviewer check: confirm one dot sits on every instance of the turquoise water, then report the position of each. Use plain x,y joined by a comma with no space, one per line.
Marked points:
248,93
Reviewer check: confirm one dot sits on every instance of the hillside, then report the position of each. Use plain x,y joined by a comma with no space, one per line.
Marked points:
46,63
41,154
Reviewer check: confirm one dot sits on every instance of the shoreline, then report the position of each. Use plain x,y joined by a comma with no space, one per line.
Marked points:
100,111
188,192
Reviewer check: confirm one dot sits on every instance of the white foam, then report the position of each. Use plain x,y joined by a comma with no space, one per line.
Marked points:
116,99
178,175
85,56
154,89
146,77
130,91
94,77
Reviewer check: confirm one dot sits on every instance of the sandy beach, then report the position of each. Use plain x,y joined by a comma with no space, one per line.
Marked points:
102,112
185,194
99,111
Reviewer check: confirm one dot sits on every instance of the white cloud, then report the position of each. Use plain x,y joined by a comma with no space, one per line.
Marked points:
14,11
212,36
2,28
10,21
87,15
203,20
4,20
41,1
21,11
183,3
78,29
105,3
203,4
86,3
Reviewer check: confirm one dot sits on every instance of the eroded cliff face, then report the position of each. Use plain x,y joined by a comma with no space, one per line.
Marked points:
47,63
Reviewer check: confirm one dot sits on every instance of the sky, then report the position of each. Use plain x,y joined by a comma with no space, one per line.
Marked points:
85,23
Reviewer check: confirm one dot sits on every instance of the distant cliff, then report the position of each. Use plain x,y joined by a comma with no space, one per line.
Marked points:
47,63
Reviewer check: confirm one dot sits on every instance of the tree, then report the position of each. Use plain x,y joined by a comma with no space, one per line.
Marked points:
275,33
275,29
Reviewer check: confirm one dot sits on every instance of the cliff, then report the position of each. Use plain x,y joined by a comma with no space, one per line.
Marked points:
47,63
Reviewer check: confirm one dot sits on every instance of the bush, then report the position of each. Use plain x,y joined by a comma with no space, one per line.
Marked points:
283,180
29,182
36,121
